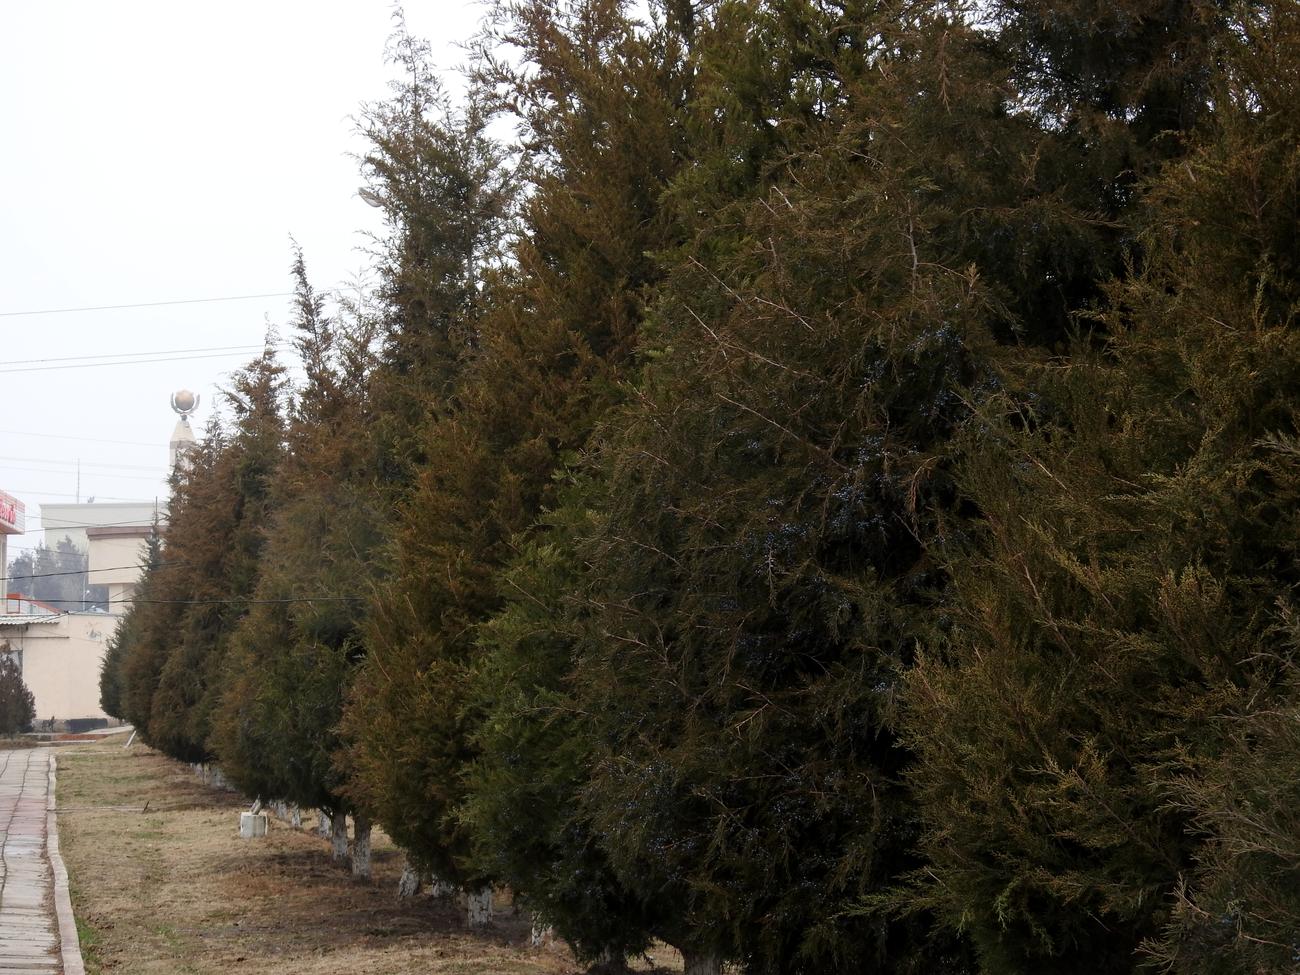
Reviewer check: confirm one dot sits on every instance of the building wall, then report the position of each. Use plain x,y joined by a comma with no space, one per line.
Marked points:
61,660
122,555
120,595
60,520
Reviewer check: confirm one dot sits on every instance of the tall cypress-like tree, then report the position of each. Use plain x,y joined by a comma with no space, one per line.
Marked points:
1122,618
447,197
112,677
733,72
523,810
761,570
288,668
596,103
145,634
189,604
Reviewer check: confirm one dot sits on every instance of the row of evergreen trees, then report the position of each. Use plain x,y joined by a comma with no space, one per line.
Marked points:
824,494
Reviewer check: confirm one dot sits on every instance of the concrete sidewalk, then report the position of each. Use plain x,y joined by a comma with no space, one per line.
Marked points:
35,915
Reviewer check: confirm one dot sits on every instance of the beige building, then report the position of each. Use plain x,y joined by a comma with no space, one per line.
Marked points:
117,557
73,521
60,655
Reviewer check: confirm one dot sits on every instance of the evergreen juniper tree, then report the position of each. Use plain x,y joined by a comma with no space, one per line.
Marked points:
288,668
760,571
210,551
595,102
112,675
1122,647
17,705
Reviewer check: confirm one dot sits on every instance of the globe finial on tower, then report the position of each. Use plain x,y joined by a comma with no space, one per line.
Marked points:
184,403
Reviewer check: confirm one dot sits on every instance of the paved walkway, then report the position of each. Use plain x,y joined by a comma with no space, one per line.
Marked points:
29,928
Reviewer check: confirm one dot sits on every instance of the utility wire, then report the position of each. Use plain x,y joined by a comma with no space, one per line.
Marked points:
65,494
84,464
211,602
128,355
261,602
145,304
60,524
57,436
77,572
125,362
90,474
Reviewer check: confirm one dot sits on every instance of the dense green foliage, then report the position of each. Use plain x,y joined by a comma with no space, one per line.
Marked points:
824,495
189,602
286,672
17,706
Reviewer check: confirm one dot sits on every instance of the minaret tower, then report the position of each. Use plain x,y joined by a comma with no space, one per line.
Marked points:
184,403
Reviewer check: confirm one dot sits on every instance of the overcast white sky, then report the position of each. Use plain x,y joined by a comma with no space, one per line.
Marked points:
163,151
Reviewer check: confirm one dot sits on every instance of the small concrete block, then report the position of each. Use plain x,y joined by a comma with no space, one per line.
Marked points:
252,825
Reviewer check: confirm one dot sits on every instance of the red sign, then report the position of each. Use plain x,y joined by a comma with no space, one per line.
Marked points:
12,515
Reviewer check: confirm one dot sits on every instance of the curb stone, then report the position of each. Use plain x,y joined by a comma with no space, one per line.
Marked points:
69,943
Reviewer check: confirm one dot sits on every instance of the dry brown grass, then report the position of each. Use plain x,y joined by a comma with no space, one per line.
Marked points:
161,883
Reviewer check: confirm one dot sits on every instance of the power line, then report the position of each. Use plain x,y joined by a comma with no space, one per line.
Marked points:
246,602
125,362
84,464
212,602
90,474
56,436
144,304
127,355
65,494
20,577
134,523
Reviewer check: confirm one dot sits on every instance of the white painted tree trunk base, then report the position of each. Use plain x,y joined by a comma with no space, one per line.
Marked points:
408,885
339,837
252,825
541,935
361,847
323,823
701,963
478,907
295,817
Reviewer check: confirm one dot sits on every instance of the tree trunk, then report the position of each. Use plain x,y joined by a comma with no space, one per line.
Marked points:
609,963
409,885
479,908
541,934
295,816
701,963
339,836
323,823
361,846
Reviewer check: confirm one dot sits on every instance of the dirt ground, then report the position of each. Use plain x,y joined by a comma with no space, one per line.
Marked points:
161,883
